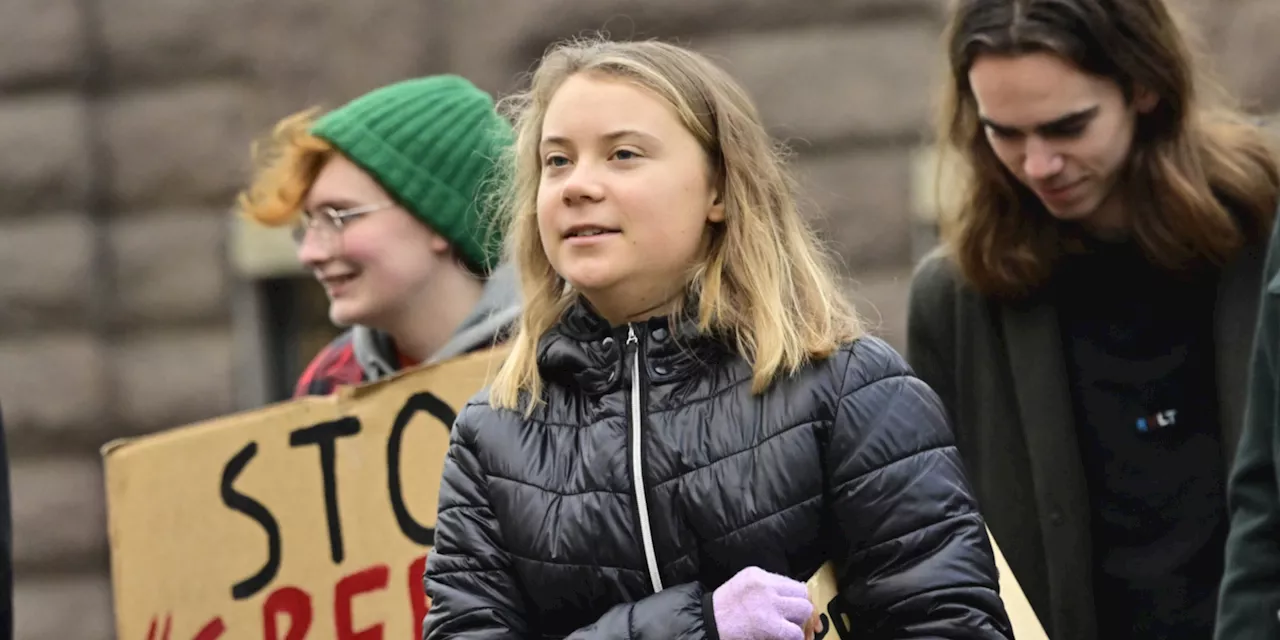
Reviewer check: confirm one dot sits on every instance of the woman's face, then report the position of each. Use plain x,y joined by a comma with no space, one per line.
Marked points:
625,196
378,264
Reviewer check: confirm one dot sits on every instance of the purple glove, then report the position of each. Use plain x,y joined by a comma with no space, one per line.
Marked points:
758,605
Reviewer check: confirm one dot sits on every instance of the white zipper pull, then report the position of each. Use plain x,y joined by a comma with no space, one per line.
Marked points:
631,335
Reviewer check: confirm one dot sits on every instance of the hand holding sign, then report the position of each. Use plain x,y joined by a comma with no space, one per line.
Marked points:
758,605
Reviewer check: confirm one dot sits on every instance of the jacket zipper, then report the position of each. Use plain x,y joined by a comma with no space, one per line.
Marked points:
637,459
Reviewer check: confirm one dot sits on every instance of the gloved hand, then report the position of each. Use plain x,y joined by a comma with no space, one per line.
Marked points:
758,605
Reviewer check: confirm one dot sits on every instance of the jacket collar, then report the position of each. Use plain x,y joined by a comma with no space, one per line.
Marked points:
584,350
375,352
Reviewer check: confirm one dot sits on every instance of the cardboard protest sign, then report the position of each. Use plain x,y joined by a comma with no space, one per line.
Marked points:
837,626
306,519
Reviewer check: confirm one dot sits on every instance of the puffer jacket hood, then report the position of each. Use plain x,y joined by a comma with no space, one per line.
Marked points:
650,475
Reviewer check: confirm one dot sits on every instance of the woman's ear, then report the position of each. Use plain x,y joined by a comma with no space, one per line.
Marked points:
715,212
1145,100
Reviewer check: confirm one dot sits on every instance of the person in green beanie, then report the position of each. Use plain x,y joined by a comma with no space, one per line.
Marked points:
389,197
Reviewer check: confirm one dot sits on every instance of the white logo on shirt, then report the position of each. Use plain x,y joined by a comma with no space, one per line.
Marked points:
1160,420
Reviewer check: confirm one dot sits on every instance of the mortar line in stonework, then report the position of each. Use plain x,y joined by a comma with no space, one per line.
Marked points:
98,201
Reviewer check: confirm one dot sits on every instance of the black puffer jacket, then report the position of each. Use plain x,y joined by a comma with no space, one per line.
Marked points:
593,520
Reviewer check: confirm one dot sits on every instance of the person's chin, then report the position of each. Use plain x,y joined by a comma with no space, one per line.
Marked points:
1077,211
1071,214
587,273
591,282
346,313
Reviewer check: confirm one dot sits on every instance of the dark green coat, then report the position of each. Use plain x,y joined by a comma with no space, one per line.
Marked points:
1250,601
1000,370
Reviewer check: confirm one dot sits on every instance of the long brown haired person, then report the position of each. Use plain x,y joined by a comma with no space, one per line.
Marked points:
1087,318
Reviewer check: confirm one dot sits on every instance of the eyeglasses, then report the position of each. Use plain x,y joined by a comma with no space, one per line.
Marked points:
331,220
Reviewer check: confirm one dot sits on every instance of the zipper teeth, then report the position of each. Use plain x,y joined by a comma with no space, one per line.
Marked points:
637,461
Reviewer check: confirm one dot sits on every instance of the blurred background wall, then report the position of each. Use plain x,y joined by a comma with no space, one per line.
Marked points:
130,301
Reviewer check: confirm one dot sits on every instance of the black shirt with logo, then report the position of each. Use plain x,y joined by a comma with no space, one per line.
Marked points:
1140,357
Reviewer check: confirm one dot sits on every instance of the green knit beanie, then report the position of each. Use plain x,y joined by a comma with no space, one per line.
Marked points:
433,144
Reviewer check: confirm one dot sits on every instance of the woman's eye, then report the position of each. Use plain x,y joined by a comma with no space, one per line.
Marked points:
625,154
555,161
1072,131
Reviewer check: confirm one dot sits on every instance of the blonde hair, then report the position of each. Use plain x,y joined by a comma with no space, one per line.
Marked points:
286,164
765,283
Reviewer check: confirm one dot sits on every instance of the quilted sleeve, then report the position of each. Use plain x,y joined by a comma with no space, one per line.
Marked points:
912,555
676,613
474,594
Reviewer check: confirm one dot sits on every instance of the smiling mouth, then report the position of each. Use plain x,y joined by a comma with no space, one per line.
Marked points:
589,232
333,281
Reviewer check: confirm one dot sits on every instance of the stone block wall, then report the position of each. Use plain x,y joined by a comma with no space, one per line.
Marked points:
125,127
120,157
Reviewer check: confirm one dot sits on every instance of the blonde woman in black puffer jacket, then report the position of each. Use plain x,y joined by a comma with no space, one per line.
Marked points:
691,420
